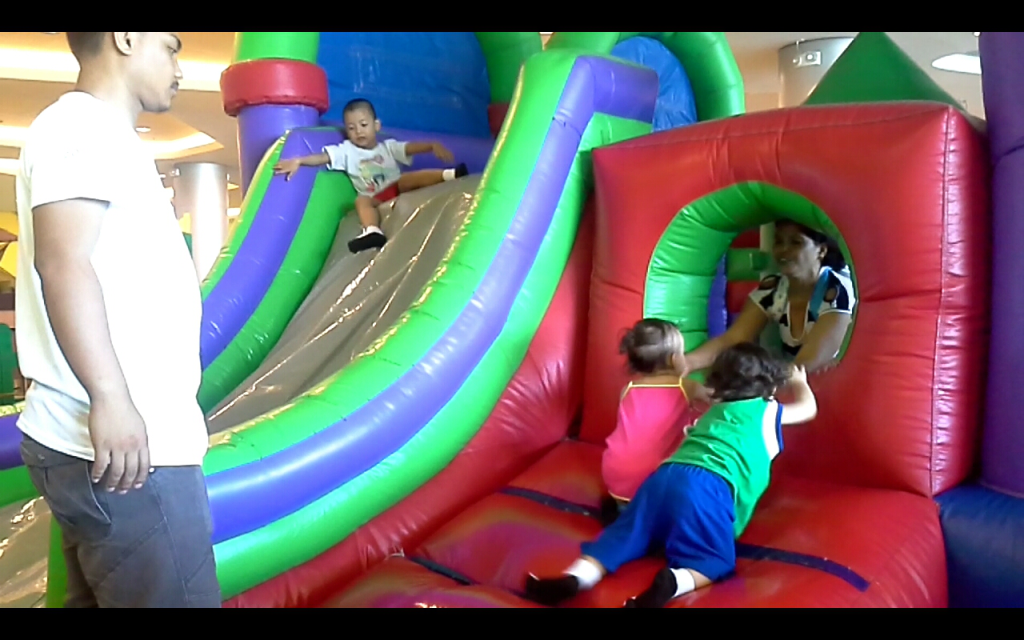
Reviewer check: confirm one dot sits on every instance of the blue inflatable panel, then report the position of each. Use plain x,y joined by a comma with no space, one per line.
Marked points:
984,532
419,81
676,106
718,311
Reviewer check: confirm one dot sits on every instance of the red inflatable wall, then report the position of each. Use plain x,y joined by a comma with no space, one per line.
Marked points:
906,185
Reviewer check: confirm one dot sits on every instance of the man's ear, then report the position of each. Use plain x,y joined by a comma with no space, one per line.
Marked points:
126,41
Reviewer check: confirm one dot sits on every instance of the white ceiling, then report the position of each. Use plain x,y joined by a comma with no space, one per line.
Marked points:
198,111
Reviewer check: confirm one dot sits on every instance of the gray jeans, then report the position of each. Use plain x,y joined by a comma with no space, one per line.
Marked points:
150,548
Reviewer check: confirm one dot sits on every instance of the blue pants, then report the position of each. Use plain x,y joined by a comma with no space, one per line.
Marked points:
687,509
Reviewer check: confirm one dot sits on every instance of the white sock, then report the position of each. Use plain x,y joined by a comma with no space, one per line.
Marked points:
368,230
586,572
449,174
684,582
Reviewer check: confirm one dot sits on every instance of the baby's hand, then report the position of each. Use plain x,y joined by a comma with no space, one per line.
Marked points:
443,153
798,375
287,167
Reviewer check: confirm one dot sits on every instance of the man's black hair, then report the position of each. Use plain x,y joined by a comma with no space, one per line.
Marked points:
86,44
746,371
359,104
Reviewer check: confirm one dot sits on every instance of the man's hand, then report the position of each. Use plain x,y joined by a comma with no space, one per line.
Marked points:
119,437
443,153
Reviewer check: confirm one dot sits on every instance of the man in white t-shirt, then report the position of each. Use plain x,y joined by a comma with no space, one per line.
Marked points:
108,314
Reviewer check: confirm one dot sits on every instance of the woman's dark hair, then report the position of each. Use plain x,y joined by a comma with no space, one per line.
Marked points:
650,345
746,371
834,258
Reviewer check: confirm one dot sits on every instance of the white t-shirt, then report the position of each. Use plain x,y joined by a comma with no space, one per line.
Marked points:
80,147
371,170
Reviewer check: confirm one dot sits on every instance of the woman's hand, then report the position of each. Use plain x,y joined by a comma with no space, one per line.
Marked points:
798,376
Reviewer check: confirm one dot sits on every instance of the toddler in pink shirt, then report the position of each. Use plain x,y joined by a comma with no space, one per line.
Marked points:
655,410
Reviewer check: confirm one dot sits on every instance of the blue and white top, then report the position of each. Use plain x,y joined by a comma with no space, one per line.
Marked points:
834,294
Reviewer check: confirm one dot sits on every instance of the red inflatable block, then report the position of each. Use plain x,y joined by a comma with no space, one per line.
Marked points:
496,114
748,240
810,545
907,186
421,588
502,538
737,294
274,82
571,472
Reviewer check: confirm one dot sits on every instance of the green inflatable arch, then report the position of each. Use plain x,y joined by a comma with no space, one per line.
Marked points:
684,263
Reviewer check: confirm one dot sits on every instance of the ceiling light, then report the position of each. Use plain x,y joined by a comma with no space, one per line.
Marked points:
58,66
143,129
959,63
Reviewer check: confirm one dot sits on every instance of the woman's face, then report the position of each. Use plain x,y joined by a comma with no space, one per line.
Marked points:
796,254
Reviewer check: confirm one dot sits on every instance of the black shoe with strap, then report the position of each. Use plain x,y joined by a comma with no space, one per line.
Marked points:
375,240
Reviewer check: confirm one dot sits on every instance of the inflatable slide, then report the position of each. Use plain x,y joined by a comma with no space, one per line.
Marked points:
435,330
896,171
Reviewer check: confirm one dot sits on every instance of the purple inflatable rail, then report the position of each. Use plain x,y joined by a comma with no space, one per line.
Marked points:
10,443
1002,61
246,498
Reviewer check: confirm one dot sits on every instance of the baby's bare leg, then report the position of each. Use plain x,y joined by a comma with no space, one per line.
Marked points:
429,177
420,179
366,208
372,237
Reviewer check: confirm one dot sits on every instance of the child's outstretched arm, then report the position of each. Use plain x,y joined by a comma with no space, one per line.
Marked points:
291,166
696,392
438,149
804,407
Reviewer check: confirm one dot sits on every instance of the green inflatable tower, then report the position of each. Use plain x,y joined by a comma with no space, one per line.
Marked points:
874,69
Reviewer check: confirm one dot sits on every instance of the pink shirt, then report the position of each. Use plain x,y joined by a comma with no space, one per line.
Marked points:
650,428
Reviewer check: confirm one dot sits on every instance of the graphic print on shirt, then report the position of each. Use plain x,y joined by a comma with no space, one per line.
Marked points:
371,170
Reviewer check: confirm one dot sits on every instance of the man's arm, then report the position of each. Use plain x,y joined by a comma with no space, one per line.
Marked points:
65,236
